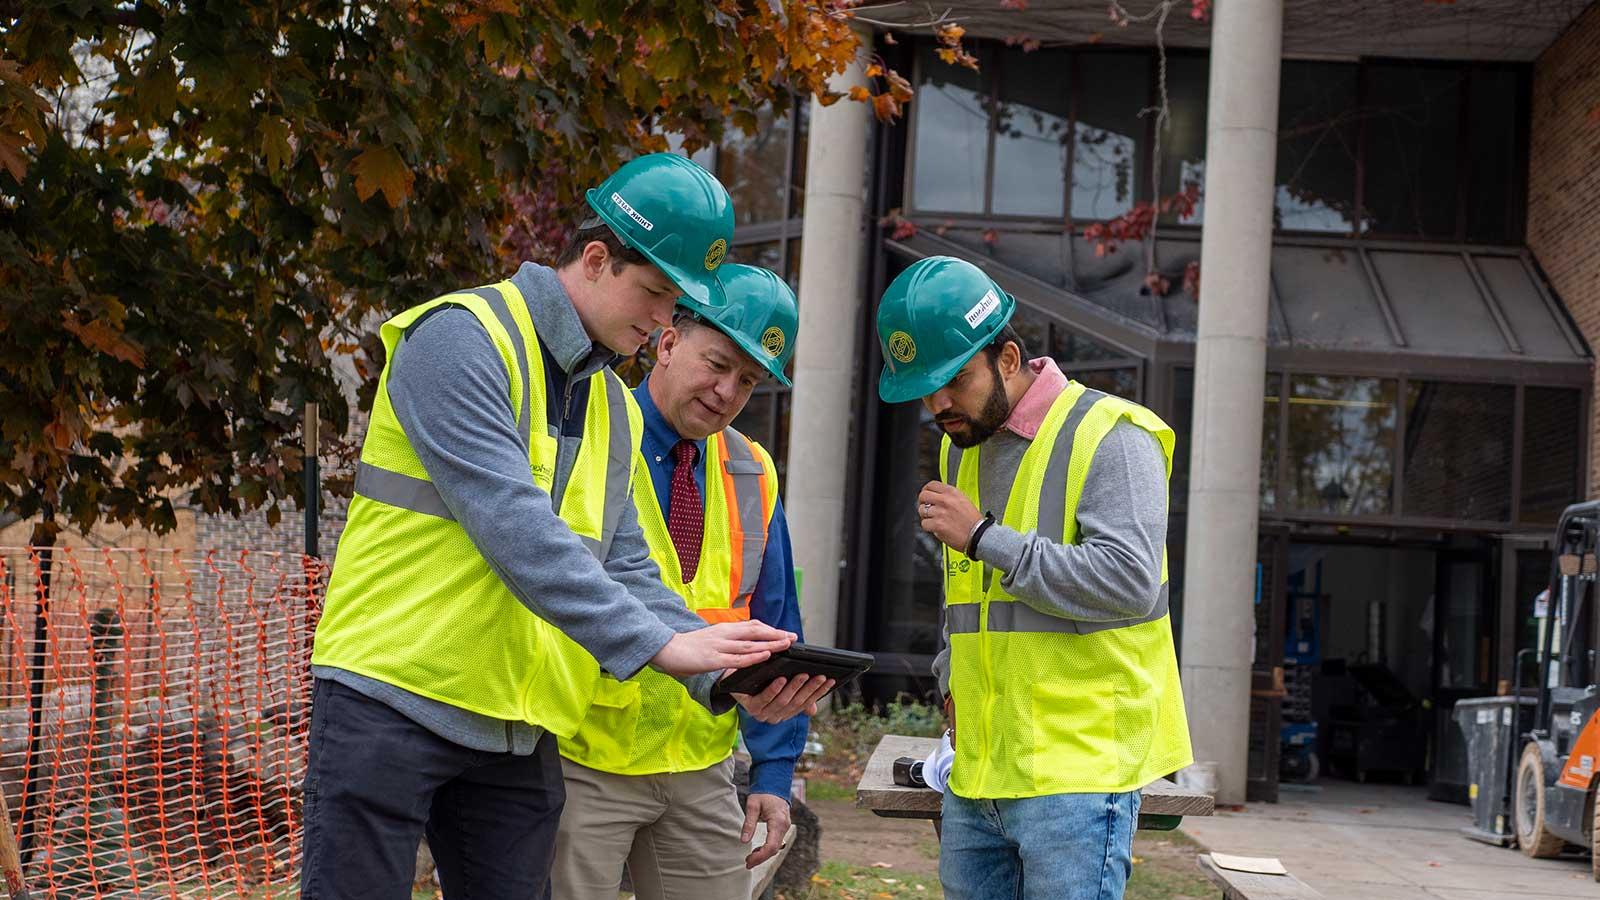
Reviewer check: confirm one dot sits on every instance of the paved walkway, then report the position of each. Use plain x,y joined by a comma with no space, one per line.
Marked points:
1373,842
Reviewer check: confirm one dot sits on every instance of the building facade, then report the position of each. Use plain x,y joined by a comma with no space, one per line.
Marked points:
1427,410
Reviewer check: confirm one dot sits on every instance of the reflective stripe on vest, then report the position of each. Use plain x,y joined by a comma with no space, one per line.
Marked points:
1047,704
412,603
649,724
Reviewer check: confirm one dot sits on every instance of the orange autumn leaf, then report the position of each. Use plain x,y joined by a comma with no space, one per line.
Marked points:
97,335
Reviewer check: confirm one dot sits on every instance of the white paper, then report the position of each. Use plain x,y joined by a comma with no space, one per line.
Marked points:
1268,865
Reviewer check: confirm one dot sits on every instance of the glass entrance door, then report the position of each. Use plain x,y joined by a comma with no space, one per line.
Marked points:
1463,662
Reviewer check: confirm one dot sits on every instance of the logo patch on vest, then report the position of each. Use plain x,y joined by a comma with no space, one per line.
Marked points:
981,311
715,253
772,341
633,214
902,347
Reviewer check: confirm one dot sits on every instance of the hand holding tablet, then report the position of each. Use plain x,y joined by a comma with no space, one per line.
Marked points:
843,666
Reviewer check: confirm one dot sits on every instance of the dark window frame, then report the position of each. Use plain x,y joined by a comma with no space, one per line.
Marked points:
1144,189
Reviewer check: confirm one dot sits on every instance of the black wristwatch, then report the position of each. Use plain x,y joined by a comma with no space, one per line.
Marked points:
977,533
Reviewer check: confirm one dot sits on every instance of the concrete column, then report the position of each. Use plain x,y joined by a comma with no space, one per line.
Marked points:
832,259
1230,368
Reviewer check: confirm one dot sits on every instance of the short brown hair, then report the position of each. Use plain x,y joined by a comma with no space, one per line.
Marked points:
595,229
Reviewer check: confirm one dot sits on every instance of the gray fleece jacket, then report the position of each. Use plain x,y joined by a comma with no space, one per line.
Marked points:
1114,571
450,390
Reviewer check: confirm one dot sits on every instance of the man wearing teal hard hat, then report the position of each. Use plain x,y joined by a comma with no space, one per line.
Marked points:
1058,671
649,773
493,567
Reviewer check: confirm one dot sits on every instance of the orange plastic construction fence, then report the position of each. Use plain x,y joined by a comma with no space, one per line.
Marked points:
153,716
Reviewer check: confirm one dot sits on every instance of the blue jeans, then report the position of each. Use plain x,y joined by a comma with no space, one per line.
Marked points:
1061,847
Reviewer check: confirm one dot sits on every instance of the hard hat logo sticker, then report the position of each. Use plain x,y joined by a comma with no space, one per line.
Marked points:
902,347
633,214
982,309
715,253
772,341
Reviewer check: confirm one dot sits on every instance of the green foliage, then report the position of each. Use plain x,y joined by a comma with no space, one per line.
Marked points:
848,733
203,203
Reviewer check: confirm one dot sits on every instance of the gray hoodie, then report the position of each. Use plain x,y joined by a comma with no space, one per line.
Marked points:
449,388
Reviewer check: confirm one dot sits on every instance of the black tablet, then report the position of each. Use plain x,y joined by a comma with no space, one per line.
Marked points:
841,665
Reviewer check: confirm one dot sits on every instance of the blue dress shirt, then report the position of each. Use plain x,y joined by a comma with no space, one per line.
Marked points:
774,749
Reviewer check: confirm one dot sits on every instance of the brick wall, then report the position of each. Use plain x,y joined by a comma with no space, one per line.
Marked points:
1564,180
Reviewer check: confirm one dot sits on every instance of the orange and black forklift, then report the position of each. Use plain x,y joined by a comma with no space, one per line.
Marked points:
1553,797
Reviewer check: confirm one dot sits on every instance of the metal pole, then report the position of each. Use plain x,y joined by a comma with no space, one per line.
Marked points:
313,481
35,771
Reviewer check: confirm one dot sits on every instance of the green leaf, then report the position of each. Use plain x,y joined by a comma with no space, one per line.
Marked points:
275,143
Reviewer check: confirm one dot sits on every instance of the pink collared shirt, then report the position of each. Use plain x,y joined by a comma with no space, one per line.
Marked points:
1029,413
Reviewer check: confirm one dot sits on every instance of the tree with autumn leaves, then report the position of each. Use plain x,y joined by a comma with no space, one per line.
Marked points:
202,202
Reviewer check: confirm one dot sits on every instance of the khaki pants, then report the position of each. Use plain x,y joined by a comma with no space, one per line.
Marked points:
678,833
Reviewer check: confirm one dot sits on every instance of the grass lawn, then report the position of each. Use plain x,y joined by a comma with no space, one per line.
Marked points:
871,858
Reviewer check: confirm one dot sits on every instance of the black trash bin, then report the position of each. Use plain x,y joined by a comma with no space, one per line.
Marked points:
1493,743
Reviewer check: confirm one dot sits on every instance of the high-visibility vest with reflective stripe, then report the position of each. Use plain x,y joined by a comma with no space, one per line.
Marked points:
649,723
411,602
1044,704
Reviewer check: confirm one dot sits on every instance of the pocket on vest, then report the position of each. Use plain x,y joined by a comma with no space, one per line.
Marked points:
1073,725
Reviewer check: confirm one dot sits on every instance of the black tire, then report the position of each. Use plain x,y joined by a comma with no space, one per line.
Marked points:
1594,841
1528,808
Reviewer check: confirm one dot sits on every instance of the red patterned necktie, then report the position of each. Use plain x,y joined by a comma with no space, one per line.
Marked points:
685,512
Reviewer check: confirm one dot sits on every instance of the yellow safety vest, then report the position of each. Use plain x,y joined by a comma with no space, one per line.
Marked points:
649,723
1048,705
412,603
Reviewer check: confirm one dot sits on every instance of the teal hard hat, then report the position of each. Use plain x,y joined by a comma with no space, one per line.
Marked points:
675,213
935,316
762,316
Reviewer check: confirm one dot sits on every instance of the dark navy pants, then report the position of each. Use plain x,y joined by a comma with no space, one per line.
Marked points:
376,782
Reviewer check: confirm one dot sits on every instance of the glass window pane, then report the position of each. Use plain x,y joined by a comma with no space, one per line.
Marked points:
905,613
1341,444
750,166
952,139
1034,329
756,420
1318,136
791,272
1122,383
1105,176
1030,144
779,448
1413,141
1183,147
1068,347
797,187
1532,579
1271,415
1182,422
767,254
1552,438
1495,190
1458,450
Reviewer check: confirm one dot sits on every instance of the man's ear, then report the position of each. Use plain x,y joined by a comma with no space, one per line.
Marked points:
665,344
1010,360
595,259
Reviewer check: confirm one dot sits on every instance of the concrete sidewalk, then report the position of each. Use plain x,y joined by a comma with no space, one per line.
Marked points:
1375,842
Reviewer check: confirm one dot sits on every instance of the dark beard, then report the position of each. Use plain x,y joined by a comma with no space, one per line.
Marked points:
996,409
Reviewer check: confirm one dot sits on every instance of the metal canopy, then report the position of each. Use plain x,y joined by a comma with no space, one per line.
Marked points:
1337,304
1499,30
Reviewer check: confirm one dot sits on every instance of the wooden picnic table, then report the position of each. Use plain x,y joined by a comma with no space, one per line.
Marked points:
1162,807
